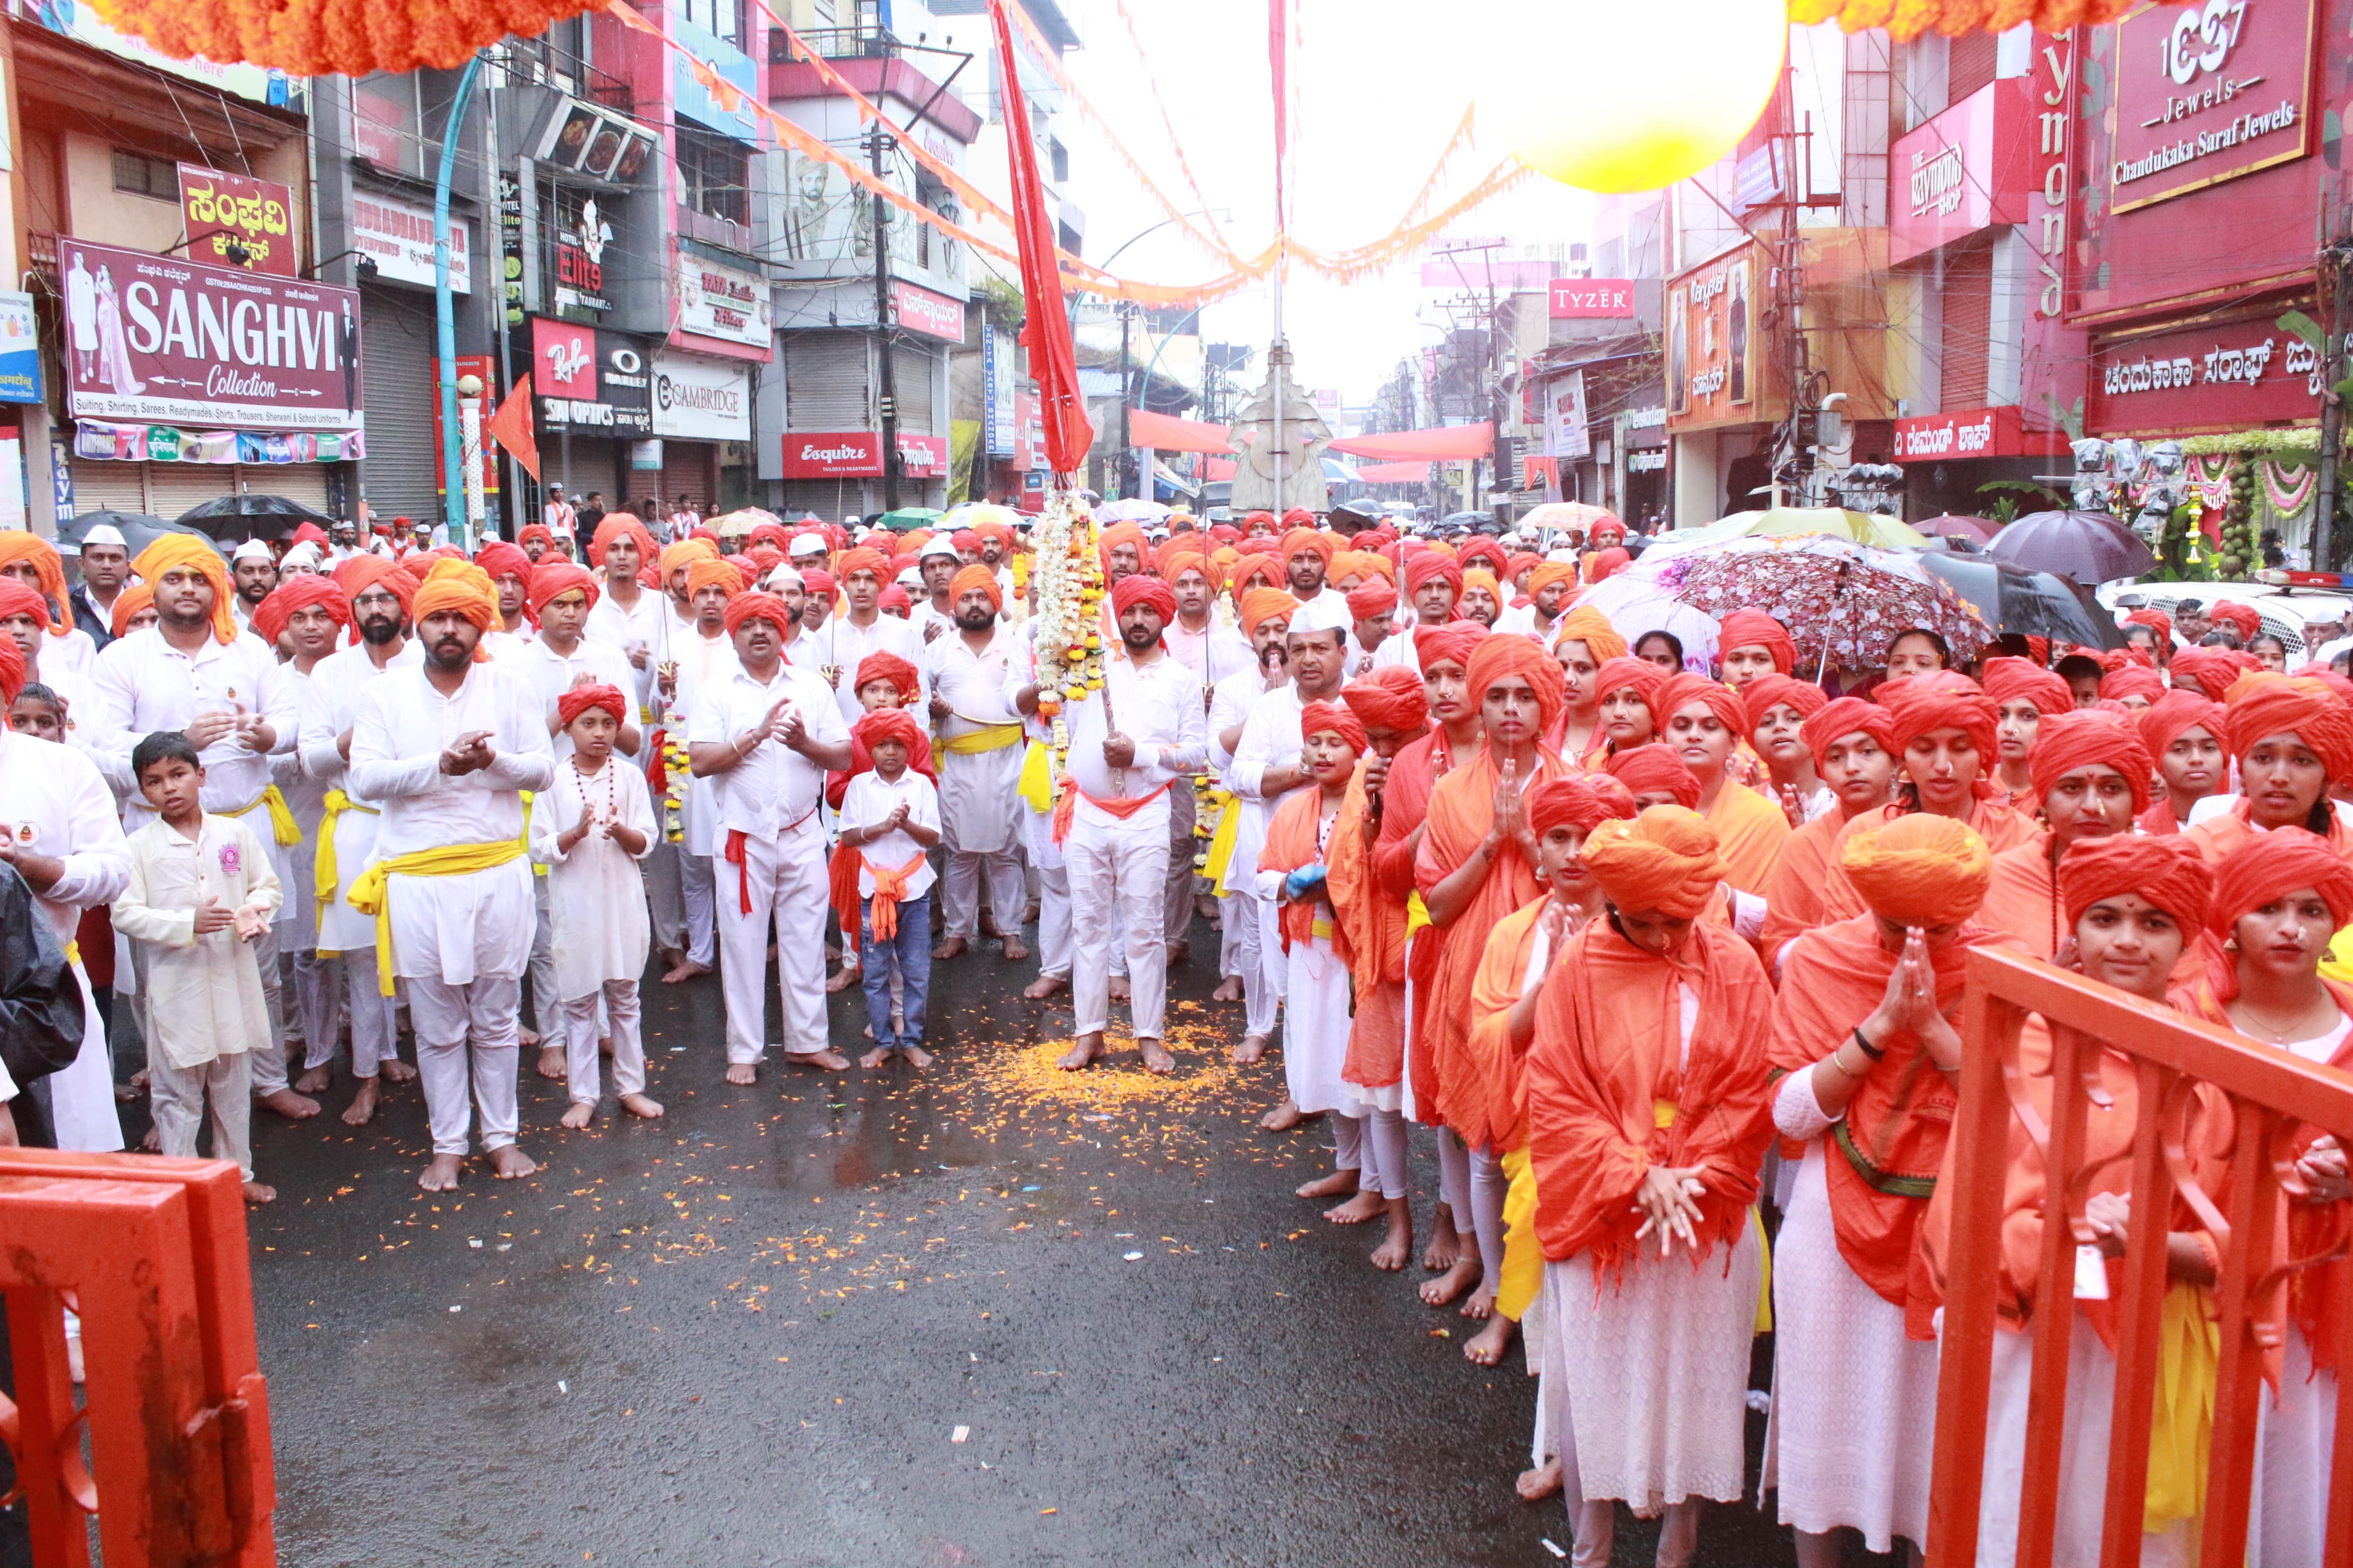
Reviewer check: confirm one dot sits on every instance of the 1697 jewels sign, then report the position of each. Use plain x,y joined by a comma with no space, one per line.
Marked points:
2208,92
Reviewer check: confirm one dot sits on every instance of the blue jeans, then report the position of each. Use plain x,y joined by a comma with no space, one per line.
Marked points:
914,947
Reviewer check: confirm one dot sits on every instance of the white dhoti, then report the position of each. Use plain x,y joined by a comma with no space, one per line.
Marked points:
1054,944
1117,871
350,936
785,883
1315,1039
81,1096
980,838
2287,1521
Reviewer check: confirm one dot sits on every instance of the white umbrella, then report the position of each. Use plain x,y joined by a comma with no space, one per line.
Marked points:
1136,510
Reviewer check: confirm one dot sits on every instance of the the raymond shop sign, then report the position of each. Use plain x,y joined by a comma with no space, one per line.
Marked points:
1961,172
2207,93
163,341
590,381
2234,375
1972,433
1715,359
233,221
832,455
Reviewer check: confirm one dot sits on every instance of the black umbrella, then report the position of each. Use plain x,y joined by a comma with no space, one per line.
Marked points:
2089,547
242,517
2029,604
139,530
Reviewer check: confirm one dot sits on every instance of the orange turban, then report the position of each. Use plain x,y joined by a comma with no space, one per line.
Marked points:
2211,670
2133,681
186,552
2277,704
1452,642
2156,621
888,667
1392,698
1262,569
2165,720
17,599
1848,716
1120,534
2066,741
967,578
2248,623
462,588
1138,589
1482,547
550,580
1337,717
304,590
880,725
1480,578
1544,574
22,544
1760,696
1260,603
616,525
1664,859
685,552
1920,870
500,559
2164,869
1607,563
760,607
712,571
1589,626
2011,680
1301,538
1944,706
580,698
863,559
134,598
1428,563
1501,659
1582,801
1349,564
1646,769
1755,628
2270,865
1647,679
1371,600
1683,691
1180,557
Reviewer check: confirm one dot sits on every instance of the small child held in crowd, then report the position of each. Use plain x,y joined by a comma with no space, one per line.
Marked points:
889,816
590,830
201,893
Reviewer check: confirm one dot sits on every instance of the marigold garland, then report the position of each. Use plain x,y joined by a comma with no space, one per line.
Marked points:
334,38
1907,19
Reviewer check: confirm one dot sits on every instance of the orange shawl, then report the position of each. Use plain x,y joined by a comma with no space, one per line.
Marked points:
1414,773
2218,836
1487,1053
2024,899
1750,832
1607,1099
1462,809
1291,844
1793,893
1370,923
1885,1151
2000,828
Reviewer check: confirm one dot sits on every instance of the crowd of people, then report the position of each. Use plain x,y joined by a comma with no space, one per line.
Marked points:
1656,943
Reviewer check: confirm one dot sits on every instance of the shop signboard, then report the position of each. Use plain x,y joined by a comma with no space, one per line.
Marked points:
997,386
589,380
1967,434
720,94
1592,299
20,350
80,19
702,399
582,233
1962,171
165,340
923,457
2233,376
832,455
2205,94
1715,366
398,235
1563,420
920,310
233,221
716,300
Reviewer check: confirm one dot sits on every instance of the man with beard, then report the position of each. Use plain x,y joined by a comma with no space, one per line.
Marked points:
105,567
980,765
1116,838
625,614
765,737
195,673
378,594
448,748
254,572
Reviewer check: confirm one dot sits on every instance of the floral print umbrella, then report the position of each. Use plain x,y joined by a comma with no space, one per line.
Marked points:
1843,601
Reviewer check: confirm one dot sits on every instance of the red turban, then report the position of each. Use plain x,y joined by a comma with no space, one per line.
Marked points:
1318,716
1500,658
1646,679
1301,538
1605,564
1848,716
2270,866
1608,524
1258,604
531,531
173,552
1681,691
2066,741
1392,698
1755,628
1138,589
1297,517
550,580
881,724
2132,681
1589,626
580,698
2277,704
500,559
772,534
12,669
302,590
1759,696
1375,598
1920,870
1582,801
895,597
23,544
1664,859
900,563
820,585
863,559
2011,680
361,573
1944,706
963,539
617,524
888,667
2250,625
2156,621
138,596
17,599
1480,546
2163,722
1428,563
2164,869
1646,769
967,578
2211,670
758,606
1452,642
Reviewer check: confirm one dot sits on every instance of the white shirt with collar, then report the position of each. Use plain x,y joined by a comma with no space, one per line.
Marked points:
774,787
844,645
550,675
1157,706
143,684
645,625
329,706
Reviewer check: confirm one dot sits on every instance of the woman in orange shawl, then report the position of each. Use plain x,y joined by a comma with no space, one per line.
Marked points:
1853,746
2093,778
2278,897
1778,708
1627,691
1705,721
1646,1089
1476,865
1583,641
1863,1028
2023,694
2134,907
2292,739
2182,733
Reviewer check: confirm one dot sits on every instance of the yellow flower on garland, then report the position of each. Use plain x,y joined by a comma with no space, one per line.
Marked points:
334,38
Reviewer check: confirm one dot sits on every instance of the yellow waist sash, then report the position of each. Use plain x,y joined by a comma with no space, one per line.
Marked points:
2182,1423
1221,847
1036,787
327,875
282,826
988,738
371,892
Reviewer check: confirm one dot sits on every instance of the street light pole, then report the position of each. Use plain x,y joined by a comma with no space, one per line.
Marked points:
453,491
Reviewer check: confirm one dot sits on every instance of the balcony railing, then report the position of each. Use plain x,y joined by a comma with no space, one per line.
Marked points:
542,61
862,42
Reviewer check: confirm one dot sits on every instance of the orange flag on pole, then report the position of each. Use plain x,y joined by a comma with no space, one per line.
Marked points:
511,427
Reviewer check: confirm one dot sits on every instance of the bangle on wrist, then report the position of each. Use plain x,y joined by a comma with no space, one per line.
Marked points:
1877,1053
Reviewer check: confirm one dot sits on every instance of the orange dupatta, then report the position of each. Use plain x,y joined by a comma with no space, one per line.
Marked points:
1371,922
1291,844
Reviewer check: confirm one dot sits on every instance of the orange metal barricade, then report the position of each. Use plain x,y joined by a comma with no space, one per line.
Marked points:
2269,1091
177,1418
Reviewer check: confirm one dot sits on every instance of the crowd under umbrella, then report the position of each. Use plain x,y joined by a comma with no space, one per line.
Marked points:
138,530
2087,547
238,518
2015,601
907,519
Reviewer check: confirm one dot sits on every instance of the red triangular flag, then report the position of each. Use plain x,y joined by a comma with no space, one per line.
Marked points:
511,427
1045,332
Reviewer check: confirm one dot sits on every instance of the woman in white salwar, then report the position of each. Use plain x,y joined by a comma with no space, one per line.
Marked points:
1645,1132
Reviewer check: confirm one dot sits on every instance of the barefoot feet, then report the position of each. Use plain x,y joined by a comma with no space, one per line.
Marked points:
509,1164
1016,949
1338,1185
742,1074
1285,1116
638,1105
954,947
1252,1047
255,1192
314,1081
1045,985
551,1062
1397,1248
362,1109
830,1059
843,979
1445,1249
1157,1058
1487,1346
579,1114
684,970
393,1070
440,1174
1463,1275
1543,1481
1367,1204
1081,1054
874,1059
293,1106
1230,989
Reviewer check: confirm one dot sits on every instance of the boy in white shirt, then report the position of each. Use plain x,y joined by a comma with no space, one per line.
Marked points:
890,817
590,830
201,893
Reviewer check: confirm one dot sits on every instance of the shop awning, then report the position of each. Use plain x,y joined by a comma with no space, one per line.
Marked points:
1394,473
1447,441
1167,433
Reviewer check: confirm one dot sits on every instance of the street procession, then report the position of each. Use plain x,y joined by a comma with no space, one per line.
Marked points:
838,769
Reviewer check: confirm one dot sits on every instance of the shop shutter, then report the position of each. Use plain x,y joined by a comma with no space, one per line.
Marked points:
912,369
690,469
585,463
830,499
1968,324
826,382
400,476
303,482
1970,66
100,485
175,487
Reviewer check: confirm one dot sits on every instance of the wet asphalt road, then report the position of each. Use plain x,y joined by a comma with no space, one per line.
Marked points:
752,1333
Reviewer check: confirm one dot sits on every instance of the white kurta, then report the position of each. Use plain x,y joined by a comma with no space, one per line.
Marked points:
201,996
331,703
1270,739
306,797
644,626
53,802
979,811
702,662
550,675
595,894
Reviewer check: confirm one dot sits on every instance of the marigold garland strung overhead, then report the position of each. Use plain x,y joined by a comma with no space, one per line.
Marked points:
1907,19
334,37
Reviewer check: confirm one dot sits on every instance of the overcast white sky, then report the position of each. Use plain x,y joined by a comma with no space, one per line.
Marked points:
1381,86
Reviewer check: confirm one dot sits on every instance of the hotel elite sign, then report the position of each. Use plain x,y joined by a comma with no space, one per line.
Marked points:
2208,92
